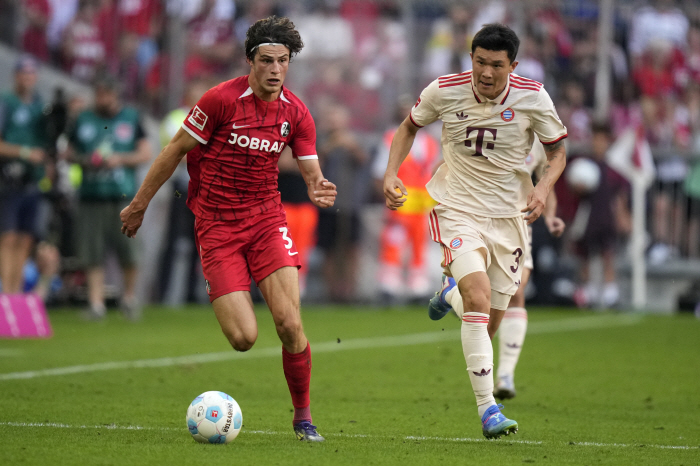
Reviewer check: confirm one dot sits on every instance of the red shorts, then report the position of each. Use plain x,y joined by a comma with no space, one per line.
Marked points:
233,251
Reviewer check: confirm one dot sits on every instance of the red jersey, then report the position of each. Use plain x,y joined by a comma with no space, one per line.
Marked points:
233,172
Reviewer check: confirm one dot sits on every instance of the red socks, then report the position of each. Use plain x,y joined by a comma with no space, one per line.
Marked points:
297,371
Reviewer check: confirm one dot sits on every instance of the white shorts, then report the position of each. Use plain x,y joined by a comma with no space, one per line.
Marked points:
528,262
504,239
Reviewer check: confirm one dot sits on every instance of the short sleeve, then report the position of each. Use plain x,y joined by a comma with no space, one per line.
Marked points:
426,109
545,121
204,117
303,143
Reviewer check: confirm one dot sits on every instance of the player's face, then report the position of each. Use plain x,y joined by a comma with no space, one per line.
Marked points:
490,69
268,70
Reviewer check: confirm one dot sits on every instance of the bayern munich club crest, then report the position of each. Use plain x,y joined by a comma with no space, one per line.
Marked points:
508,114
456,243
284,130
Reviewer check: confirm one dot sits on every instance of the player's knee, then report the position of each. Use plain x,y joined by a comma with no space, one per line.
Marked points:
476,300
241,341
289,329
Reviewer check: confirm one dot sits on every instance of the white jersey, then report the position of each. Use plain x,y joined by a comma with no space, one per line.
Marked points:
485,142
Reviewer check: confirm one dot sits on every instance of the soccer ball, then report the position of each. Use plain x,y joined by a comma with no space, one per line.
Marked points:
214,417
583,175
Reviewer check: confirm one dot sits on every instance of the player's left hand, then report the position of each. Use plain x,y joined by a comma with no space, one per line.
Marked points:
132,218
535,204
323,193
555,225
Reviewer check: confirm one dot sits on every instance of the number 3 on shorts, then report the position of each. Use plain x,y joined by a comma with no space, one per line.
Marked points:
288,241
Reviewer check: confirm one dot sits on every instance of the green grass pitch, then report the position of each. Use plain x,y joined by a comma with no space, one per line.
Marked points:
388,387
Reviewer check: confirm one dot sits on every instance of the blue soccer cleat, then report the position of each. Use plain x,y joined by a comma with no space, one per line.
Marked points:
438,307
307,432
494,424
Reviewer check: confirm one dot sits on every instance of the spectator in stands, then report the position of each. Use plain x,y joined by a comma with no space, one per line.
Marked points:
62,13
83,47
343,159
448,49
596,220
34,40
575,115
22,155
210,45
660,21
109,142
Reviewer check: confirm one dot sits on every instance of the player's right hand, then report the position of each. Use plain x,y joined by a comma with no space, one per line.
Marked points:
132,218
394,192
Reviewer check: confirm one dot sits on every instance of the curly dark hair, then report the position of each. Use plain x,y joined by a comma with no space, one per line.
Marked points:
272,29
497,37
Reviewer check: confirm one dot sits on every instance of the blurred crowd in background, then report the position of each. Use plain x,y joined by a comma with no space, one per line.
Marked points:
364,63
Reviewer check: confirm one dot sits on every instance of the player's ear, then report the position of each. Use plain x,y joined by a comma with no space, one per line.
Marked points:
513,65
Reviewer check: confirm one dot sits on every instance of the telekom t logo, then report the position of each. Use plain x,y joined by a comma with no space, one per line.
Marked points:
480,132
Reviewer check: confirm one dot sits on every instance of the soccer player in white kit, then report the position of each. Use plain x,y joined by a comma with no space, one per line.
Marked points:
486,198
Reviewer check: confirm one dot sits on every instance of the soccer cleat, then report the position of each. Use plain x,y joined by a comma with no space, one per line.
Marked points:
438,307
307,432
494,424
505,388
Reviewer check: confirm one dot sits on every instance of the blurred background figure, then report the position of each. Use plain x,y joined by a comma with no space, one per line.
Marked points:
594,202
83,47
302,215
181,271
402,270
109,142
342,159
22,156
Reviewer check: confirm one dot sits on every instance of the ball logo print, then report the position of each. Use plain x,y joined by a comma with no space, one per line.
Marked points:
214,417
508,114
456,243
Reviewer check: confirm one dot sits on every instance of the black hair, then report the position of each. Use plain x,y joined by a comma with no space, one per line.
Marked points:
497,37
273,29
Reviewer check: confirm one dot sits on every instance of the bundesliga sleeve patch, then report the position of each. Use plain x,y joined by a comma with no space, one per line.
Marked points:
198,118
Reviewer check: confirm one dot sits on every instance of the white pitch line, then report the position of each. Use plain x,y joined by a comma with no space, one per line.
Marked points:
563,325
410,437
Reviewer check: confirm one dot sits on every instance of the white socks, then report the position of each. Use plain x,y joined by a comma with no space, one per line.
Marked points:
454,299
478,352
511,335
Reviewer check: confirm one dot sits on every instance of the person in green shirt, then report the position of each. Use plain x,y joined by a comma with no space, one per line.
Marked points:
21,166
109,142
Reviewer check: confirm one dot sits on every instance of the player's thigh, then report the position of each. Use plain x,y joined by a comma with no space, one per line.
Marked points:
507,240
281,292
222,250
271,248
457,233
236,316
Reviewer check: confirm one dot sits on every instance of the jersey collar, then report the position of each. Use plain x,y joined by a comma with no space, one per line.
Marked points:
500,98
250,91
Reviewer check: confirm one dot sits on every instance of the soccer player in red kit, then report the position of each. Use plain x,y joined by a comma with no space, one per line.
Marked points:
233,138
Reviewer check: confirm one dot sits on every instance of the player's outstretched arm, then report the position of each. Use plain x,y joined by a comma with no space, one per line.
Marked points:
394,190
537,199
162,169
321,191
